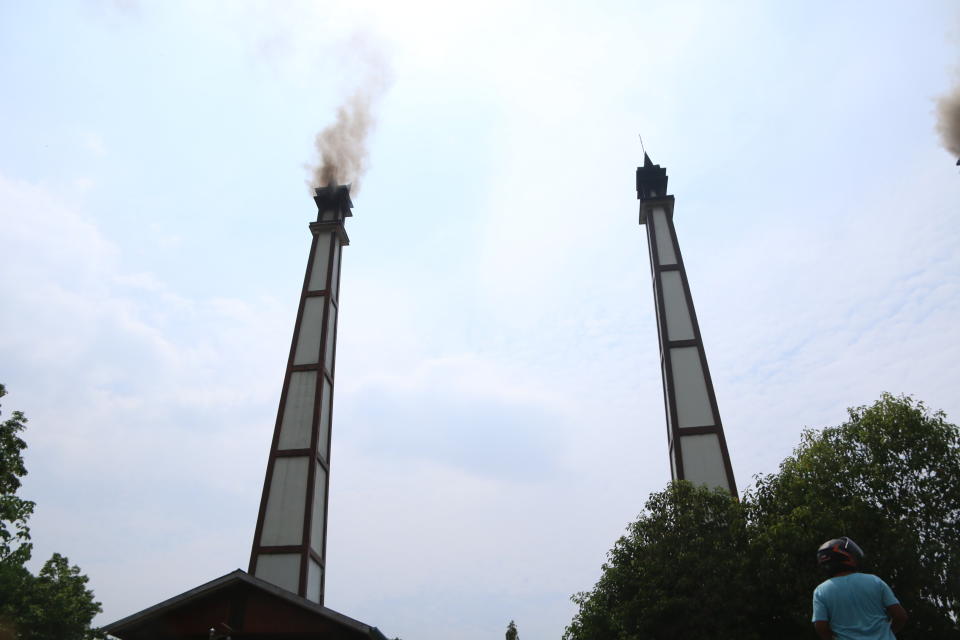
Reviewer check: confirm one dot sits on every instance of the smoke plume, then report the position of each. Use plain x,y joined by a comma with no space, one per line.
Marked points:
948,121
342,146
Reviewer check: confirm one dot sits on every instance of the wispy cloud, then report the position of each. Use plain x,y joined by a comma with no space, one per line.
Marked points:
119,374
94,143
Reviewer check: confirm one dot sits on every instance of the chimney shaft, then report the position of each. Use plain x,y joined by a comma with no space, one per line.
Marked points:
289,544
698,448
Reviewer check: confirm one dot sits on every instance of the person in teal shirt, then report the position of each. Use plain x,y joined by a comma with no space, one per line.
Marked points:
851,605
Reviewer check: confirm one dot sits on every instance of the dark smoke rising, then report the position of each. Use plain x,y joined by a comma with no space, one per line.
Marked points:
948,121
342,146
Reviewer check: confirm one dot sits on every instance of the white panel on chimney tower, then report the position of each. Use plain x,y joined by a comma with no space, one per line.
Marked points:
335,277
703,460
321,258
283,520
314,576
679,326
319,500
311,326
326,399
690,388
662,233
281,569
331,327
297,422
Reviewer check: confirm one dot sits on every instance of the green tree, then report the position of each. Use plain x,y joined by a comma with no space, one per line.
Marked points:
14,511
701,564
56,604
674,574
512,631
888,477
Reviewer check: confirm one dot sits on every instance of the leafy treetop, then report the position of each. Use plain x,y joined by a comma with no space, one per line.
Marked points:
56,604
700,563
14,511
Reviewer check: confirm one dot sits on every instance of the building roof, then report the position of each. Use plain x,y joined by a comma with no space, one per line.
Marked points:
240,606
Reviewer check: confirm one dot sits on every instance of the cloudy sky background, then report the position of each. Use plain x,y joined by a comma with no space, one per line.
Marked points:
498,418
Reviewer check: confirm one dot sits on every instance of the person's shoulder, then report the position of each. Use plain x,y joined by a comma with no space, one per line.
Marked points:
826,585
872,583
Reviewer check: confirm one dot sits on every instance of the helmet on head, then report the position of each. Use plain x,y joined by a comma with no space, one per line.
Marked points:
838,555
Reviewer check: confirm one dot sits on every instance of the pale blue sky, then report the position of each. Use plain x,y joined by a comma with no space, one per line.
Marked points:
498,418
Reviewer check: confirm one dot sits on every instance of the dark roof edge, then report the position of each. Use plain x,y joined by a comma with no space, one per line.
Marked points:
186,596
240,575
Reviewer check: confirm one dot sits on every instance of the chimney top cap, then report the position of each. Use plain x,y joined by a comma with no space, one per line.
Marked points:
334,197
651,180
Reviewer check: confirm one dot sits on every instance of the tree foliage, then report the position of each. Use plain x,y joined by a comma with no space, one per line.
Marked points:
699,563
888,477
14,511
674,573
56,604
512,631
